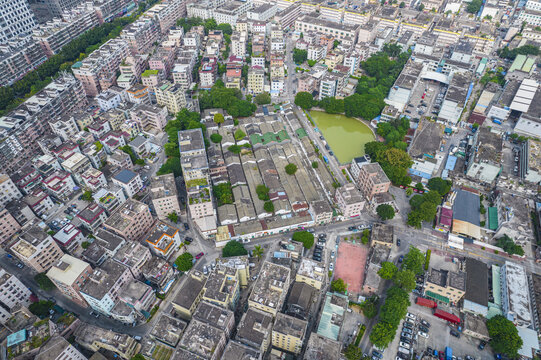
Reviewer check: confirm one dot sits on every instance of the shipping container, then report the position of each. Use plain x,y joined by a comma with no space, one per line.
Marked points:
448,353
447,316
426,302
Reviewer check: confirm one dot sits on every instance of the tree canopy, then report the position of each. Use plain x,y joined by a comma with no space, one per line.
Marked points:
291,169
262,192
263,98
509,246
405,279
219,118
44,282
223,193
299,56
216,138
305,237
332,105
41,308
184,262
304,99
173,217
391,313
441,186
228,99
268,206
387,270
414,261
504,337
339,286
233,248
474,6
385,211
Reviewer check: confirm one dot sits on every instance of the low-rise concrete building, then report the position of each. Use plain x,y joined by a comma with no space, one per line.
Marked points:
311,273
163,240
95,338
270,289
445,286
288,333
189,295
254,329
163,192
129,181
349,200
132,220
69,274
37,249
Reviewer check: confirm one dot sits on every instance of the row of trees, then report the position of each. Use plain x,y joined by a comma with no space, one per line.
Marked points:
185,120
505,53
228,99
367,102
397,301
425,206
509,246
77,49
209,24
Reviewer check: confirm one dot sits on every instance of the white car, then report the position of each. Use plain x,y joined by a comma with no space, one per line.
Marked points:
411,316
405,345
423,334
331,267
332,254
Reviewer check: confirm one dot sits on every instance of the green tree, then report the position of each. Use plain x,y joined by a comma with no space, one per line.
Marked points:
402,5
226,28
263,98
332,105
291,169
405,279
268,206
173,217
409,191
504,337
385,211
184,262
258,252
233,248
235,149
439,185
41,308
304,237
219,118
474,6
414,261
304,99
382,334
223,193
138,357
353,352
339,286
365,238
44,282
215,138
370,307
299,56
171,166
262,192
85,244
315,164
509,246
239,134
87,196
387,270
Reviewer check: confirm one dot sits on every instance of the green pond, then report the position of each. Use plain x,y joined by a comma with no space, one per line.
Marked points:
346,136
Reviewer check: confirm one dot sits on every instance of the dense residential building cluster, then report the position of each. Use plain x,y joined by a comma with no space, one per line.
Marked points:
184,189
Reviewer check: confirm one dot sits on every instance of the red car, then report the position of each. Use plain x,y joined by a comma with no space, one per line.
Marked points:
442,355
199,256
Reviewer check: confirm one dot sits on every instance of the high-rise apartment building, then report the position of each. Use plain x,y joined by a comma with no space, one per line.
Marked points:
16,20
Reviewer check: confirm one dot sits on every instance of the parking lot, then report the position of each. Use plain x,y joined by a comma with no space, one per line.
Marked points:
424,100
439,337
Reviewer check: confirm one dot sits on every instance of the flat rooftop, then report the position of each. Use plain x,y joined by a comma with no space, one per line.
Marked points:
269,288
288,325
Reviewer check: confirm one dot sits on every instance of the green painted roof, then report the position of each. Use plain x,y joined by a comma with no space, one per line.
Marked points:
496,292
77,65
282,135
518,63
436,297
326,327
492,218
493,310
528,64
255,139
147,73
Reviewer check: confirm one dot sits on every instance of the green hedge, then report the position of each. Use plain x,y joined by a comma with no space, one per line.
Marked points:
427,259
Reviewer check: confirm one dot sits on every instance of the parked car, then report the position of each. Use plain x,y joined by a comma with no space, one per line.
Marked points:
405,339
441,355
186,226
405,345
331,267
205,270
401,258
188,240
423,328
377,354
398,242
455,333
423,334
406,335
482,345
407,331
411,316
332,254
199,256
408,325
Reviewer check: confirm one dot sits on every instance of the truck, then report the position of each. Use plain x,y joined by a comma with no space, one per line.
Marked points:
426,302
446,316
448,353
